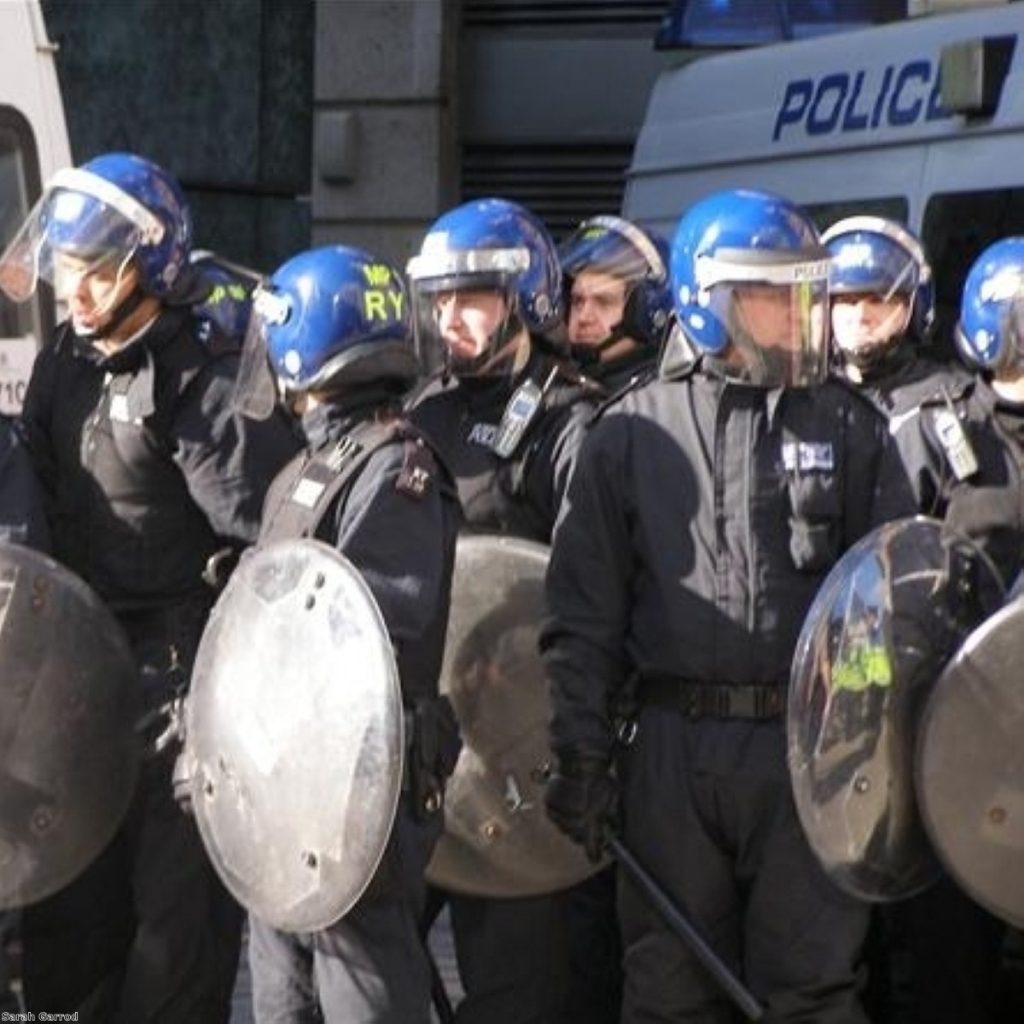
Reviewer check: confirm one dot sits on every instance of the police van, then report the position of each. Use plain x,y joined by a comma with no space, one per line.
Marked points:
33,144
920,120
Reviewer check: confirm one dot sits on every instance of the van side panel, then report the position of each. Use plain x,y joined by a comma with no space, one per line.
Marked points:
33,144
852,115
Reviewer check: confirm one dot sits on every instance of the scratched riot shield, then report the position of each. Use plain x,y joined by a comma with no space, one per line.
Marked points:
970,764
295,735
497,840
69,751
885,621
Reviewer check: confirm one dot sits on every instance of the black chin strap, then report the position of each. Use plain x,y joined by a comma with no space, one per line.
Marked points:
584,355
118,317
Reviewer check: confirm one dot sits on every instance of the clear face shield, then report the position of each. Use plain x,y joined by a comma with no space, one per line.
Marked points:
463,307
1013,330
256,389
871,304
604,261
80,239
773,307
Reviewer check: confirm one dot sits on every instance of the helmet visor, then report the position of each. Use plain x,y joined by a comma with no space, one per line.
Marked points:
1013,326
255,392
774,310
864,322
81,223
613,247
470,331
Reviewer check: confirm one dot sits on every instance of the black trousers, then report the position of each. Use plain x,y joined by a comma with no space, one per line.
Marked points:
594,983
146,934
946,953
710,813
368,968
512,956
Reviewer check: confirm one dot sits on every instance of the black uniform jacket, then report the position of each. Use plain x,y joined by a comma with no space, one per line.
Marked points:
22,508
520,494
148,469
701,519
396,520
916,396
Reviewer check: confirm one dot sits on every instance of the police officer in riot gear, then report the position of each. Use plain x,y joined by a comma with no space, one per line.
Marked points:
882,309
954,944
990,339
882,312
704,511
486,290
335,325
618,302
149,473
617,312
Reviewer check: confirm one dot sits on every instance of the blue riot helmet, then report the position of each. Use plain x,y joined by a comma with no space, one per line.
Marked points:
486,271
627,294
118,210
990,334
224,299
750,288
881,287
328,320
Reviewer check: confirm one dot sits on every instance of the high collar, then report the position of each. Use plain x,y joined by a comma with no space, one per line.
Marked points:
136,352
330,420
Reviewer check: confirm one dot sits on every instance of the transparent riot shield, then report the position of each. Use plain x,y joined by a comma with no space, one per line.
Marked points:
295,735
69,751
884,623
970,764
497,839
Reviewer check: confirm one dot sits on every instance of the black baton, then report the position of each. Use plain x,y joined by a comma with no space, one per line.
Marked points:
674,918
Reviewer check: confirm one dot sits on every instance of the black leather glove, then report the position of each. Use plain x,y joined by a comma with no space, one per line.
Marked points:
582,799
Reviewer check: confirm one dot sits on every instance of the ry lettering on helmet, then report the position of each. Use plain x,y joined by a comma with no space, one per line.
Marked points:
380,295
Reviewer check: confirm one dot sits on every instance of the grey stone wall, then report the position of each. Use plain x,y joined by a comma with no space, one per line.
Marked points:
219,92
384,121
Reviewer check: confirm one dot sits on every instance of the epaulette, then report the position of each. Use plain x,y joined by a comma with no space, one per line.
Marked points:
418,464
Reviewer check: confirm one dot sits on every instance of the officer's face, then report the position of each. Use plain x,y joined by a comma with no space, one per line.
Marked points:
93,291
767,314
468,320
597,304
866,320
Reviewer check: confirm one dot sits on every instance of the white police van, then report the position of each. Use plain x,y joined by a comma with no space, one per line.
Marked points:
920,120
33,144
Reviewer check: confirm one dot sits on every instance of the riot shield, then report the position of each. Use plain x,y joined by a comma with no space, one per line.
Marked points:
497,839
294,735
885,621
970,765
69,751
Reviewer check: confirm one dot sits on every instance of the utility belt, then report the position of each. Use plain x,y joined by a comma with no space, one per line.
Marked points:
756,701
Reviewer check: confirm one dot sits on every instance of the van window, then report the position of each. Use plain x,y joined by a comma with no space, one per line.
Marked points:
825,215
958,226
20,325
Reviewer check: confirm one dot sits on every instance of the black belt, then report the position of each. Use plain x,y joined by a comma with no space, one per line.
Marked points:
715,700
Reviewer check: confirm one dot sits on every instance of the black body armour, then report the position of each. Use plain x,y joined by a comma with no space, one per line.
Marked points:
304,494
123,517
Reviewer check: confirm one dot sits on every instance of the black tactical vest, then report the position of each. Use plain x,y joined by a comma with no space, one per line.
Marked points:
304,494
123,516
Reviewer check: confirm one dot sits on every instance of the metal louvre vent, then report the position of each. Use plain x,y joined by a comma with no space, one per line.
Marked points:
561,184
493,13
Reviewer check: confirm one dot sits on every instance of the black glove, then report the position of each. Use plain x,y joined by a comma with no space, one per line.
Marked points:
582,799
